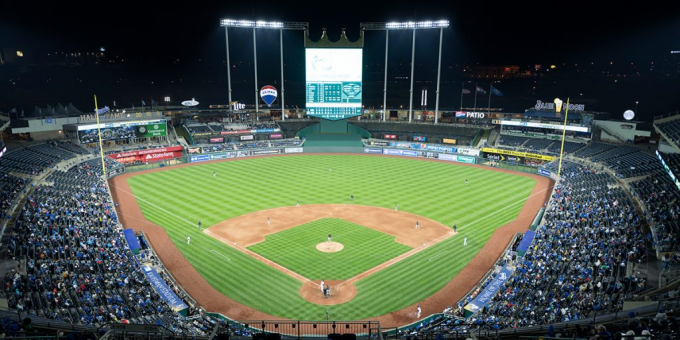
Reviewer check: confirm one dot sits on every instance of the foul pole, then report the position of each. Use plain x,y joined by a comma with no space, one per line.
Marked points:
564,133
99,132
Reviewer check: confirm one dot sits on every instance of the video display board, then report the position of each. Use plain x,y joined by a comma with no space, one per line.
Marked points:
333,87
122,130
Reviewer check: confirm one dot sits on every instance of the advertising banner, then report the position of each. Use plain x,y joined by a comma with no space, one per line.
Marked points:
247,137
400,152
545,125
380,143
519,154
423,146
389,136
194,150
449,141
162,288
235,132
457,158
150,155
132,241
293,150
469,152
373,150
122,131
544,172
489,291
419,138
199,158
276,136
266,152
217,140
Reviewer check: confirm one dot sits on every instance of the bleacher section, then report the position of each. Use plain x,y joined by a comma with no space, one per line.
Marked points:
569,147
510,140
79,268
33,160
579,259
671,130
662,200
593,149
538,144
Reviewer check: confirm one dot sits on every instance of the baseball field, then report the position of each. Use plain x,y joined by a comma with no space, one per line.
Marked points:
263,268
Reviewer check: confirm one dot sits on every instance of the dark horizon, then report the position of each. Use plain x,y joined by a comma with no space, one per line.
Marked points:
180,49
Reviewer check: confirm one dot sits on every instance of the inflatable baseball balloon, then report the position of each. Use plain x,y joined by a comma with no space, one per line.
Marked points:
268,93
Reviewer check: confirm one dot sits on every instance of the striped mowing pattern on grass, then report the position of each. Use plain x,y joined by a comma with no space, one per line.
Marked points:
296,250
177,198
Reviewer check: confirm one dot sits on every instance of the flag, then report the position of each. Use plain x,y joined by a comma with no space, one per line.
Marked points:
153,102
466,91
481,90
460,114
143,102
496,92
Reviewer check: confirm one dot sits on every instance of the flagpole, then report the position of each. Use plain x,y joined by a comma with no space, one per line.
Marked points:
475,109
462,88
564,132
99,132
488,109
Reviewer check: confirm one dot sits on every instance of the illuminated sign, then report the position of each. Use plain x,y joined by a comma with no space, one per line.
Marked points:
333,84
389,136
449,141
551,106
543,125
191,102
247,137
518,154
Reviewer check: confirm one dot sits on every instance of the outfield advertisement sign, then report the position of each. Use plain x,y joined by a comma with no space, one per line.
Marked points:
293,150
241,132
199,158
395,152
162,288
151,155
266,152
373,150
423,146
518,154
380,143
489,291
117,131
544,172
456,158
468,152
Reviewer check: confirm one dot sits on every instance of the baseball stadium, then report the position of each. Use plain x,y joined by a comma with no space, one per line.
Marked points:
335,220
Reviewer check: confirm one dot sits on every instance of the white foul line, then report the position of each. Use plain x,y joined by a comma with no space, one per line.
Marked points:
442,253
220,254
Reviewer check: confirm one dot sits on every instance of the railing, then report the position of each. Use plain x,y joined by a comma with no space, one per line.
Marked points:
314,329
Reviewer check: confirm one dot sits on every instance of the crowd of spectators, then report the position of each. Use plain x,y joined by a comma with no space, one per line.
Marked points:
12,188
582,260
661,198
78,266
35,159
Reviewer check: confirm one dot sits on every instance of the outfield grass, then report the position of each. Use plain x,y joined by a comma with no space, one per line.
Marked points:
177,198
296,250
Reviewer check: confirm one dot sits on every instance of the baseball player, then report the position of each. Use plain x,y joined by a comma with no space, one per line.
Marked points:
330,238
199,224
465,241
351,197
455,227
417,225
298,204
466,181
214,175
395,208
322,285
188,239
269,221
419,312
330,169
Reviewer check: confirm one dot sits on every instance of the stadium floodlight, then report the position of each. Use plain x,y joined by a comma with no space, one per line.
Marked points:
409,25
260,24
279,25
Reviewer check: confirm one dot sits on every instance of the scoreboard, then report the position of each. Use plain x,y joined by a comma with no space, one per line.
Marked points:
333,86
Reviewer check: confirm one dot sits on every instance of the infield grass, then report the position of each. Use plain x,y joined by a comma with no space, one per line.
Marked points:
176,198
295,249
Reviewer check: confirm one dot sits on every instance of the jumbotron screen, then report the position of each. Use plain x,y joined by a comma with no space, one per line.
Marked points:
333,82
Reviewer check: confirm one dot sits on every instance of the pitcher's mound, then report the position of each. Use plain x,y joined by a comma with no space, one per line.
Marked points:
329,247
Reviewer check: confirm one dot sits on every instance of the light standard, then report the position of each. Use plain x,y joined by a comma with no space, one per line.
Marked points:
636,104
286,25
411,25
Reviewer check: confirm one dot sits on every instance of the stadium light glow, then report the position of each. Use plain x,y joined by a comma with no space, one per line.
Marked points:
404,25
285,25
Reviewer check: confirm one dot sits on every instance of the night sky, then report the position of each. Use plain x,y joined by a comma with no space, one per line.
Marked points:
156,35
